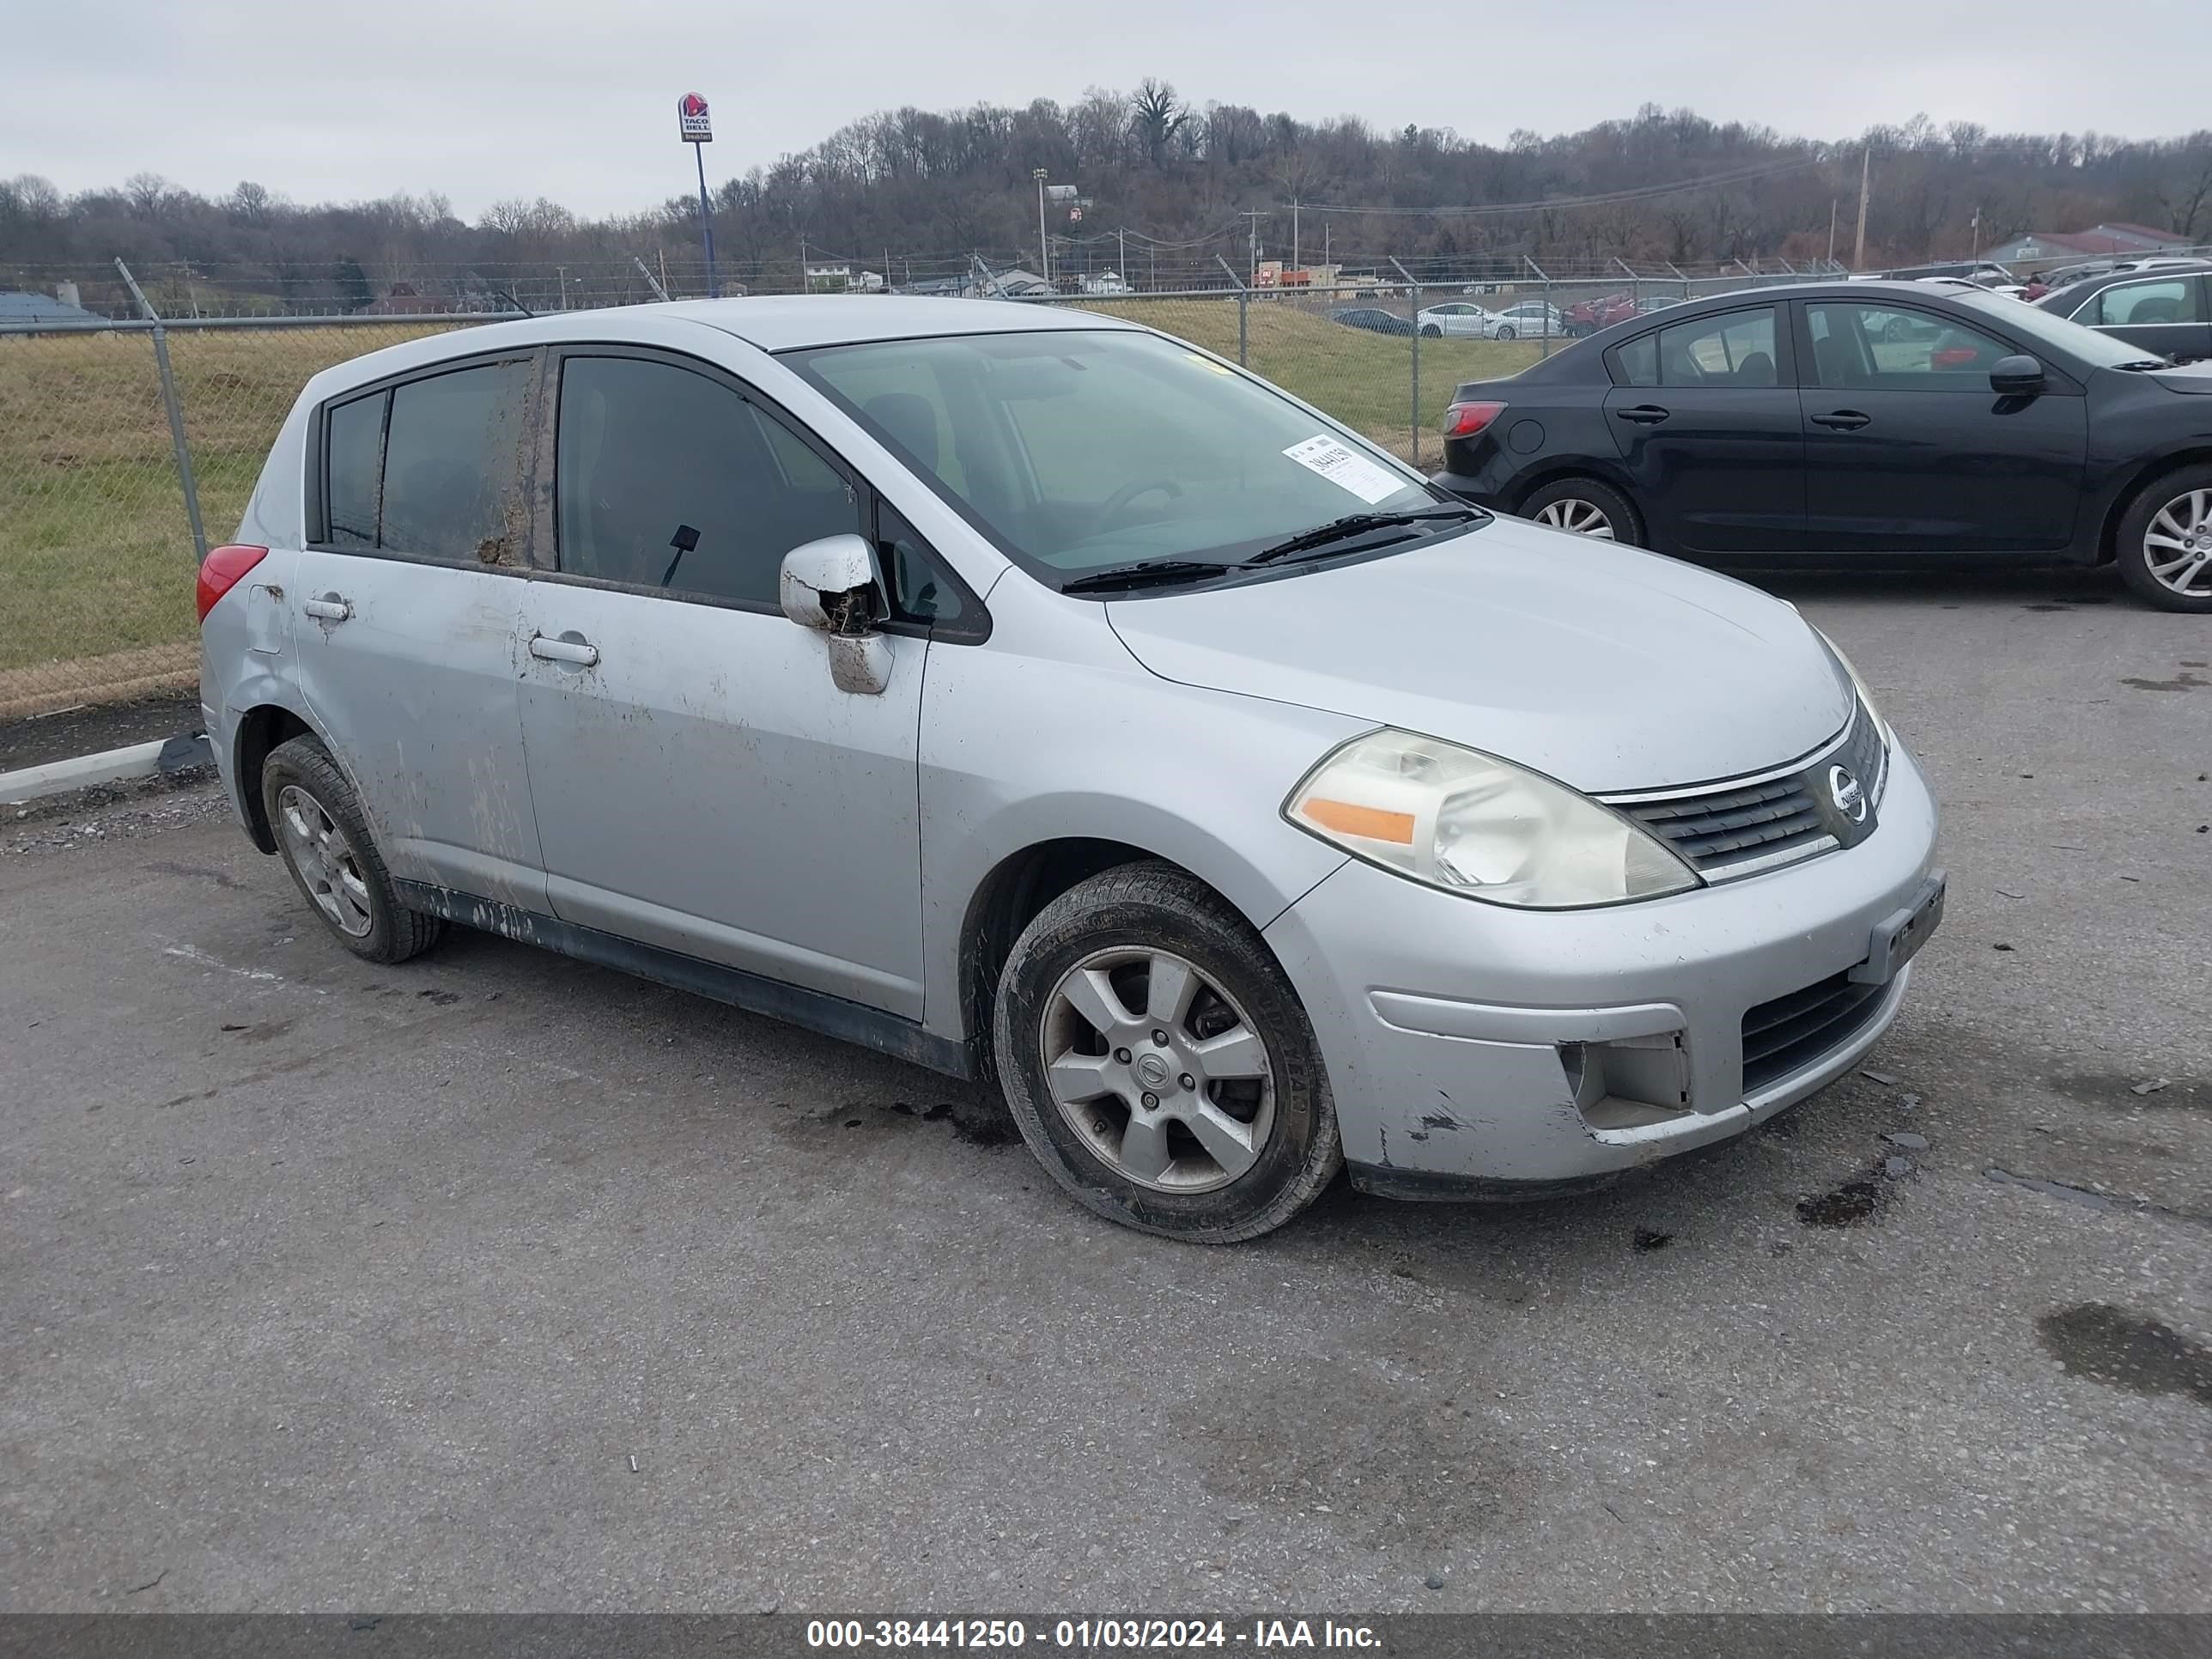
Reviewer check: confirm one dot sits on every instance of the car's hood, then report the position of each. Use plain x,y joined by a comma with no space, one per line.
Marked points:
1607,668
2189,377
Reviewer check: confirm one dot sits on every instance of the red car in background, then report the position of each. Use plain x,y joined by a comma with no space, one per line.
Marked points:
1588,316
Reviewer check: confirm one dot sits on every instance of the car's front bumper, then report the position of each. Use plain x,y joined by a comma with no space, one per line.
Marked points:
1460,1036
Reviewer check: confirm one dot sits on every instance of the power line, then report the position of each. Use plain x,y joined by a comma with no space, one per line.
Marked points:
1641,193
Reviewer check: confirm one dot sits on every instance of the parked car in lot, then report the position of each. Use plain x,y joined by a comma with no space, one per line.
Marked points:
1531,319
1037,698
2164,309
1373,318
1459,319
1588,316
1854,421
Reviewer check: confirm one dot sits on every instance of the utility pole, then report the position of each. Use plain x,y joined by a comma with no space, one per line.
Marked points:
1977,252
1296,261
1253,243
1044,253
564,269
1123,236
1866,173
1831,233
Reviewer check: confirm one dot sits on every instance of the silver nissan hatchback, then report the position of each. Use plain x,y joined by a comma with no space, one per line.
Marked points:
1045,701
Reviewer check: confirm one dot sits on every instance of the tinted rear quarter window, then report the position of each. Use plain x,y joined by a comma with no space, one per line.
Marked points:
355,461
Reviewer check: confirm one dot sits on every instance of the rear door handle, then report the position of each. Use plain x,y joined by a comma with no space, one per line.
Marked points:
582,652
1643,414
329,608
1842,419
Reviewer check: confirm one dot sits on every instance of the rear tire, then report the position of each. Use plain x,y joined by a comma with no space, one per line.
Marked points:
1221,1133
323,837
1585,507
2164,543
1432,331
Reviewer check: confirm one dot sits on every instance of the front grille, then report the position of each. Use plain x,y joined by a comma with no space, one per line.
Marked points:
1713,831
1790,1032
1740,828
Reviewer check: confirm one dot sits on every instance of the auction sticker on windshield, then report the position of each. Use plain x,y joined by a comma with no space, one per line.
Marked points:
1347,469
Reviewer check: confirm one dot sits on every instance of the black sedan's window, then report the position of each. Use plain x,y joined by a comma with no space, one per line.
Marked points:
1735,349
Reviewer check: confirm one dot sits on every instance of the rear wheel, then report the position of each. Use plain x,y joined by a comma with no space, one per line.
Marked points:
1433,331
1159,1065
1584,507
2165,541
324,839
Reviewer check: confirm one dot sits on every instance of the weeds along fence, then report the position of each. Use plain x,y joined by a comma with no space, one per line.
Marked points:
127,447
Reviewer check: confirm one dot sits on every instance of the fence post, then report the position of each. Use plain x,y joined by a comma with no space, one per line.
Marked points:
1243,304
176,413
651,281
1546,281
1413,288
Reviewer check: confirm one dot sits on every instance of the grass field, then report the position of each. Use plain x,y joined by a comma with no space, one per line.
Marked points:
95,553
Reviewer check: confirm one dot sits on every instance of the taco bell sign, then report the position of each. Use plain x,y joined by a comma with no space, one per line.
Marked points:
691,120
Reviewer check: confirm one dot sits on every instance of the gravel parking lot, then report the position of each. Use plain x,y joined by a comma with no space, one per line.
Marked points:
496,1281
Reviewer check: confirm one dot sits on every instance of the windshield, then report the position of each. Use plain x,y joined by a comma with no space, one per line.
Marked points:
1087,450
2045,328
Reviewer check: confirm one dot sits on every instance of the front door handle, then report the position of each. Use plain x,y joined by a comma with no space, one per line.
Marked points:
580,652
1643,414
329,608
1842,419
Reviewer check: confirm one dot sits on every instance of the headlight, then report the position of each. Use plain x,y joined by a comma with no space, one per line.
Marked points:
1865,696
1472,823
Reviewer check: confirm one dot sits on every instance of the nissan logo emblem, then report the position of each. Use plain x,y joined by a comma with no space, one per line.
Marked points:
1848,793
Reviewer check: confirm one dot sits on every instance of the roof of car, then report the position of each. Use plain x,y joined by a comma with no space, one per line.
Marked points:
783,322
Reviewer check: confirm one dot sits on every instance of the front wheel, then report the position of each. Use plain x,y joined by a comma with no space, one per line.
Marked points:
1506,333
2164,544
1159,1065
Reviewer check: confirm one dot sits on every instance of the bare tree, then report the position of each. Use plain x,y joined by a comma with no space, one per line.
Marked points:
1156,116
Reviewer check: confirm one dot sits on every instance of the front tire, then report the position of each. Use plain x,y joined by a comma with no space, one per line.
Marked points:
1506,333
1159,1064
1584,507
2164,543
323,837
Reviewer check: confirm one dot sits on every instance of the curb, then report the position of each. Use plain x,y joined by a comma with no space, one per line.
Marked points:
140,760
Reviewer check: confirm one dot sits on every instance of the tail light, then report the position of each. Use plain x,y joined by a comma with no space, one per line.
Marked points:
1465,420
219,571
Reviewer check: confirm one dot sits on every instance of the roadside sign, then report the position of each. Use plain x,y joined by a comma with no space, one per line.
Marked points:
691,120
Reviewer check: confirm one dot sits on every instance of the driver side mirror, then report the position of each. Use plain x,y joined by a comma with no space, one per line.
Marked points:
2017,376
833,588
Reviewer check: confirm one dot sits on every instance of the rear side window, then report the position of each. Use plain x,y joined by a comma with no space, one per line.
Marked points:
667,478
1735,349
356,433
2136,305
431,468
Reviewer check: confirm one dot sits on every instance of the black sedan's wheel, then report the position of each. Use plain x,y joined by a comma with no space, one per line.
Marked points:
1157,1062
1584,507
2165,541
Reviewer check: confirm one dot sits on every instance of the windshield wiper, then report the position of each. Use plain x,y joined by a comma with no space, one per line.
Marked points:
1358,523
1156,573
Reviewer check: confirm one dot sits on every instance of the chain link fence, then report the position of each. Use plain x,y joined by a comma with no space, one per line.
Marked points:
126,447
97,535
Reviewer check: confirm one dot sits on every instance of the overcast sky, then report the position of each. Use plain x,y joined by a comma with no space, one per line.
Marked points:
575,98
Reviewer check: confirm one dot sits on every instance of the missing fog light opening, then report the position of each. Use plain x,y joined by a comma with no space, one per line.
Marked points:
1628,1083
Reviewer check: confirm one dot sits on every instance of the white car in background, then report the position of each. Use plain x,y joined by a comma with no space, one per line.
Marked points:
1531,319
1459,317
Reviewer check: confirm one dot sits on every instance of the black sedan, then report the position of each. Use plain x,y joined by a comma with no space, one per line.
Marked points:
2164,309
1834,423
1373,318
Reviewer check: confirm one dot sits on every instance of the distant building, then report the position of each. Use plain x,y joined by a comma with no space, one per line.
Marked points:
20,306
2045,248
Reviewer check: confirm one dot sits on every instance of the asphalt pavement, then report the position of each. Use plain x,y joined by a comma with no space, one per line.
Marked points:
498,1281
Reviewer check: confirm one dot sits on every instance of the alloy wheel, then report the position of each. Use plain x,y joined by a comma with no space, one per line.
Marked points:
2178,544
327,863
1578,516
1157,1070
